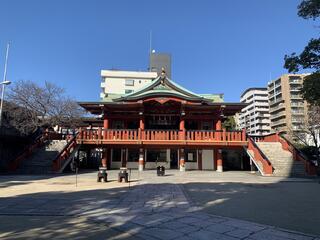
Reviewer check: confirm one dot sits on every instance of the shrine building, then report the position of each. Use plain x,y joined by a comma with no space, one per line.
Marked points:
164,124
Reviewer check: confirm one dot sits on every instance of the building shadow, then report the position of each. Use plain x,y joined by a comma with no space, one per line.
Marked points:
124,213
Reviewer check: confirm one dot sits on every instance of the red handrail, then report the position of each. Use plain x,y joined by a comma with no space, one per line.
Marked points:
260,156
288,146
64,153
38,142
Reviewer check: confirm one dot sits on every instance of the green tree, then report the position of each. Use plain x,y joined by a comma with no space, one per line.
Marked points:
229,124
309,58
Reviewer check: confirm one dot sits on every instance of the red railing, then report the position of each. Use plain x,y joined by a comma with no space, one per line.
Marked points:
100,134
288,146
259,156
37,143
217,136
64,154
27,152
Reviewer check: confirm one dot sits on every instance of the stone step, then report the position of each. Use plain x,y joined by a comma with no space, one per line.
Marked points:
40,162
281,160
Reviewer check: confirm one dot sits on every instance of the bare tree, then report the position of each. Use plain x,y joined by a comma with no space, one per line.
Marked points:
308,132
33,106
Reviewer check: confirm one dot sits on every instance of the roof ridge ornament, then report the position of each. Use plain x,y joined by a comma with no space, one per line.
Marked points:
163,75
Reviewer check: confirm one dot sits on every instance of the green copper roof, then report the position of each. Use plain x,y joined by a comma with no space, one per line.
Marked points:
213,97
110,96
163,86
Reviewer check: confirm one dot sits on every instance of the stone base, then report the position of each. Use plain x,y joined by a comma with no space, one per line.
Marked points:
219,169
141,168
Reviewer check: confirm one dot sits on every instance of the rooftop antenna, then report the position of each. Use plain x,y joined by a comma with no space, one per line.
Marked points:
150,42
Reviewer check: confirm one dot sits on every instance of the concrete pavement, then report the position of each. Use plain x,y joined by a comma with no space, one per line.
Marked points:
152,208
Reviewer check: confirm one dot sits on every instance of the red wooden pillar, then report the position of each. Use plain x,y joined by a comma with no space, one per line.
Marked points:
141,123
105,126
218,124
218,127
104,159
200,159
182,129
141,127
219,160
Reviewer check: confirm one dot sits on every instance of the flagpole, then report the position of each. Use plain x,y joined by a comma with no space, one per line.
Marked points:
4,82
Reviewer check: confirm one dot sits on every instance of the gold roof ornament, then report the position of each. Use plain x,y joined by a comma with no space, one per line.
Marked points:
163,75
163,71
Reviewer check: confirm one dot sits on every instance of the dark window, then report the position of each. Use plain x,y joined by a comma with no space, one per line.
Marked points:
157,155
127,91
133,155
116,155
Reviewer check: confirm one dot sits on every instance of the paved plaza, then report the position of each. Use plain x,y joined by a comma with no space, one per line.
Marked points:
150,207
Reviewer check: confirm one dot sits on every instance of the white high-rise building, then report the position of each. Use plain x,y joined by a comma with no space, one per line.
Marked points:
255,117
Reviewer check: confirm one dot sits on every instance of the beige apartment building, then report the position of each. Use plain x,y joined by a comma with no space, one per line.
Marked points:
114,82
288,110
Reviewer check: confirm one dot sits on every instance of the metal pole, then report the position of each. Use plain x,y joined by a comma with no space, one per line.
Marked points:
129,176
76,176
3,85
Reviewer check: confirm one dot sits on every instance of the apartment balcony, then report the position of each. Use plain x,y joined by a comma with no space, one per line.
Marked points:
298,113
295,96
277,101
279,122
297,105
278,115
295,81
156,138
276,108
295,89
297,120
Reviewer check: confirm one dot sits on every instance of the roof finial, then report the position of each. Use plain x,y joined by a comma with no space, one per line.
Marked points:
163,71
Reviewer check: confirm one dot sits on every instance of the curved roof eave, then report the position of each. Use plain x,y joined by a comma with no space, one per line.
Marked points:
164,80
163,94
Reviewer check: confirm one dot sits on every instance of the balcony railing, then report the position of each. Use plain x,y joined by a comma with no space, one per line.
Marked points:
130,136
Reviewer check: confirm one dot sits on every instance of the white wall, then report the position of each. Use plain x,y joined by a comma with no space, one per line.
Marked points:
118,85
207,160
191,165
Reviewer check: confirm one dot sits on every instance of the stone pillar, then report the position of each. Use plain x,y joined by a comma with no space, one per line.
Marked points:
181,160
219,161
104,159
141,159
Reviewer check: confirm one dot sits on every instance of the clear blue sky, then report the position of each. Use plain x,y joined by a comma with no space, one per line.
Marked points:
221,46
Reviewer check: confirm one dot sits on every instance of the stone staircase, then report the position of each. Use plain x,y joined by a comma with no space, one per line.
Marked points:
40,162
281,160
